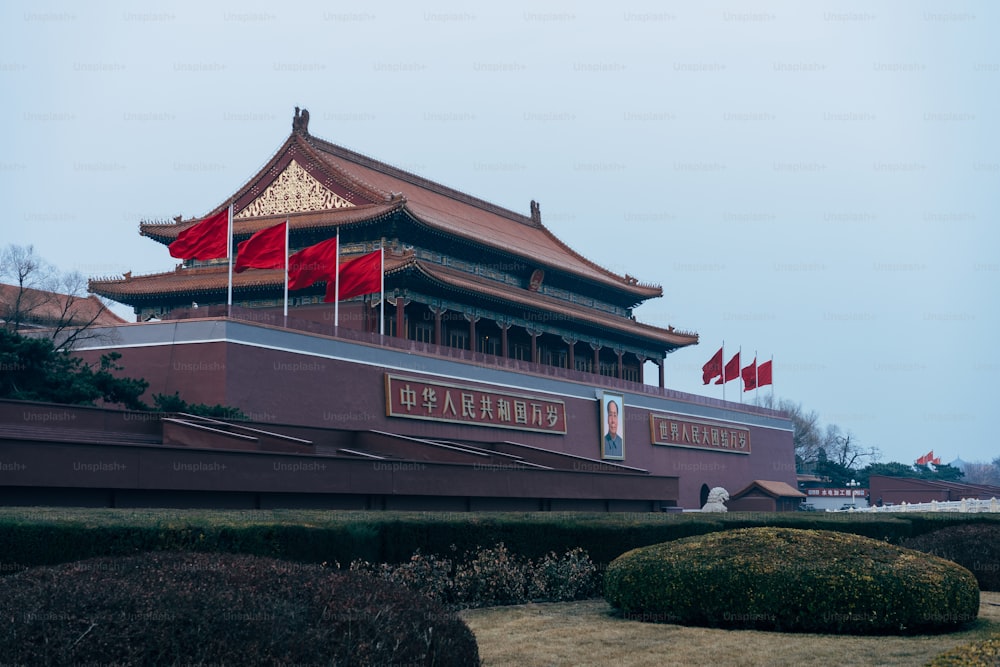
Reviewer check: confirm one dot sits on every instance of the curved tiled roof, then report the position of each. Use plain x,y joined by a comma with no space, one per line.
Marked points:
473,219
213,280
481,287
435,206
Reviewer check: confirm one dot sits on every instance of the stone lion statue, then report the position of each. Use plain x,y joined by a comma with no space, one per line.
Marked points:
716,498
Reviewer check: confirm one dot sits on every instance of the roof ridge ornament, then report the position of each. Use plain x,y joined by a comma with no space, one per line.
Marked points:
536,212
300,122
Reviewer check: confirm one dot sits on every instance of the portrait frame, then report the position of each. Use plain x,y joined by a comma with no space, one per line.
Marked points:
612,449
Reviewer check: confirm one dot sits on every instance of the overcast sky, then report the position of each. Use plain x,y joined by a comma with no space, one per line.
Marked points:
813,181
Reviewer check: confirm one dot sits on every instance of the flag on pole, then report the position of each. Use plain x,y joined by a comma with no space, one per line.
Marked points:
764,373
313,264
713,368
731,371
750,376
361,275
209,239
264,250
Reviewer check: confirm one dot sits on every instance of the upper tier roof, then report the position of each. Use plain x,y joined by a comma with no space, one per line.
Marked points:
367,188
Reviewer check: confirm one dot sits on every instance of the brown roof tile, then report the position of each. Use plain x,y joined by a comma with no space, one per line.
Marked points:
44,307
772,488
476,220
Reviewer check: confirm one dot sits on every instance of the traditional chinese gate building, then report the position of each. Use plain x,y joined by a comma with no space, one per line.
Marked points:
498,336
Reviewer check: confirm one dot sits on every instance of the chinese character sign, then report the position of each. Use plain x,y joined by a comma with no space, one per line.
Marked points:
677,431
416,398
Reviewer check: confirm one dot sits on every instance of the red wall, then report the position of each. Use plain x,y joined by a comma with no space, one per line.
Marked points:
285,387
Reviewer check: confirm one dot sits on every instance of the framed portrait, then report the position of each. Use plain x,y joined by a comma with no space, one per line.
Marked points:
612,426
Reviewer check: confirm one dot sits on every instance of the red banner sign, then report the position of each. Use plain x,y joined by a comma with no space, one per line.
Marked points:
414,398
837,493
677,431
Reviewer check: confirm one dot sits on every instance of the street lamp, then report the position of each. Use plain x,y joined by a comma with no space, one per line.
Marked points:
853,484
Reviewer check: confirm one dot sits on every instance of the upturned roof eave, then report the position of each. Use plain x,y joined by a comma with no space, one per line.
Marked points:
638,293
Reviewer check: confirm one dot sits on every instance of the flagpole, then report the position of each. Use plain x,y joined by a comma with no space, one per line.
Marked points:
286,272
336,286
772,379
381,287
229,253
756,381
723,370
739,367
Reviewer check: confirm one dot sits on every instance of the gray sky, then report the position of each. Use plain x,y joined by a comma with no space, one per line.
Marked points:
815,181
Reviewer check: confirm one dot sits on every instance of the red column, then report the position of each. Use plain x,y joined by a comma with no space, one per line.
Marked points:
472,331
503,338
438,312
570,358
400,318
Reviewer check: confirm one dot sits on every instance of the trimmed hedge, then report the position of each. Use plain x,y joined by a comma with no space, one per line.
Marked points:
792,580
976,547
171,608
46,536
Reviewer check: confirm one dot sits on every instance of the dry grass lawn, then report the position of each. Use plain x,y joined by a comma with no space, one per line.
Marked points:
575,634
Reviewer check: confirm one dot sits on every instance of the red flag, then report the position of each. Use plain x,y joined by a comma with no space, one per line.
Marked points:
750,376
263,250
361,275
209,239
713,368
925,459
764,374
312,264
731,371
936,461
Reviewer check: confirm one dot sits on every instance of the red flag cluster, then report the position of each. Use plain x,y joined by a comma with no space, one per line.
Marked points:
267,250
928,458
361,275
209,239
753,375
263,250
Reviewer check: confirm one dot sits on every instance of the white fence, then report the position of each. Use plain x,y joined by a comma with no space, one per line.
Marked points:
964,505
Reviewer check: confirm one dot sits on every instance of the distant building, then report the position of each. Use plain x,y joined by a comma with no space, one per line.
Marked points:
898,490
30,309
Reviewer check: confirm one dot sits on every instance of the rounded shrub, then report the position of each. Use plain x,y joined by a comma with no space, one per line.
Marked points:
792,580
975,546
199,608
977,654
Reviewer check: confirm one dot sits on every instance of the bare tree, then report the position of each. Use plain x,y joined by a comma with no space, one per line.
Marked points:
983,473
814,444
844,450
36,295
807,435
